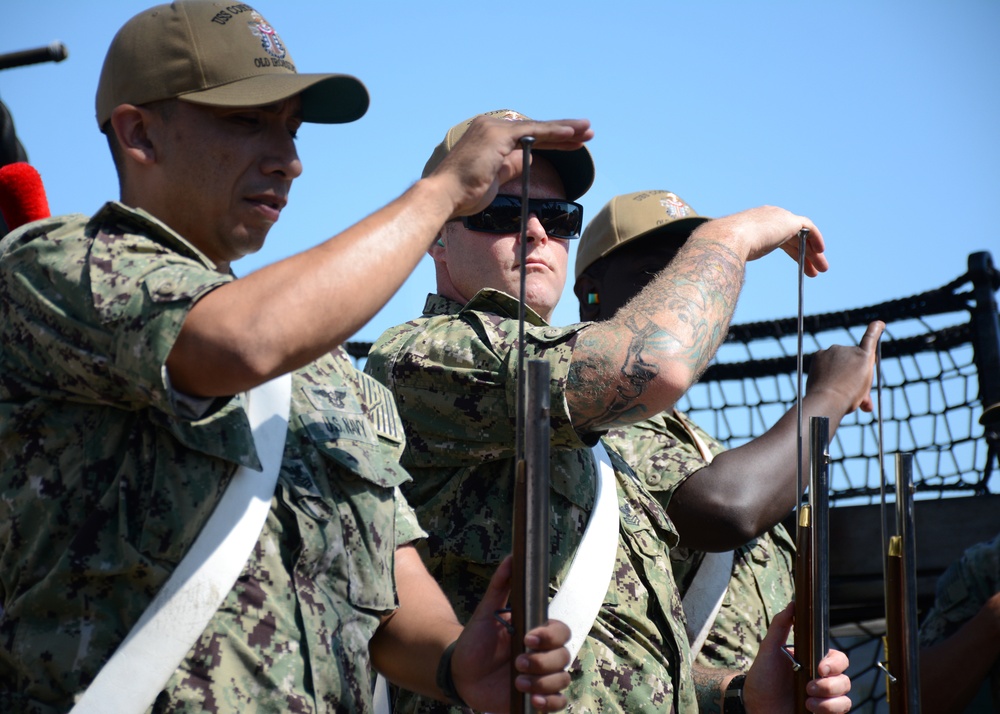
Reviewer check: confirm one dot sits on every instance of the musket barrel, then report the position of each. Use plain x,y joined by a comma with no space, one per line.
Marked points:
805,604
537,488
529,598
909,654
819,494
54,52
530,537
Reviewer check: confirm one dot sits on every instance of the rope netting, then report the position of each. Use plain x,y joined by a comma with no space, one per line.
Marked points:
940,367
934,347
930,403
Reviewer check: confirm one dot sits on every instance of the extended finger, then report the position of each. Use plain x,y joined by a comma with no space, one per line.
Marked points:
815,255
546,684
871,337
542,662
837,705
829,687
782,622
554,633
549,703
815,259
568,134
498,590
834,663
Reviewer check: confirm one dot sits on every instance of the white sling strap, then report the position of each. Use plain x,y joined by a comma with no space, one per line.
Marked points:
704,596
381,699
582,593
144,662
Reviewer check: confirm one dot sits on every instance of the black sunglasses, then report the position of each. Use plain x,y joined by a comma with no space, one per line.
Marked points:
560,219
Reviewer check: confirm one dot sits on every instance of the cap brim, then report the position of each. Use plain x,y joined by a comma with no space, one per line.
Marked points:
679,228
575,168
326,98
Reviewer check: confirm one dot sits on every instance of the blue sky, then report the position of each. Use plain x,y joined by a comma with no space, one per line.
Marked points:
879,120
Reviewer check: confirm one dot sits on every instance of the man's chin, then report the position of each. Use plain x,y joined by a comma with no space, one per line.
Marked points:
544,304
252,241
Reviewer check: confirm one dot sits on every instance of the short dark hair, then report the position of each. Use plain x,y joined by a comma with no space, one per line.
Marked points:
164,108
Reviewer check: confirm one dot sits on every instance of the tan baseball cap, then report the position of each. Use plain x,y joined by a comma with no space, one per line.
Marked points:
634,215
218,54
575,168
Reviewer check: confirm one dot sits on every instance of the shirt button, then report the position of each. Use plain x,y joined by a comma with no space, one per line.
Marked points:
653,479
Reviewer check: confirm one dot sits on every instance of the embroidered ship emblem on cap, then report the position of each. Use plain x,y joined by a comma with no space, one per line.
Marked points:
509,115
269,39
675,207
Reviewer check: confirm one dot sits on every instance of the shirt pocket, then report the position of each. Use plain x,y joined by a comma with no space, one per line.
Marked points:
352,494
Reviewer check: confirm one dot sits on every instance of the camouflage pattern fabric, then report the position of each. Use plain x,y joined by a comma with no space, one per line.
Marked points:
960,593
664,454
104,485
453,374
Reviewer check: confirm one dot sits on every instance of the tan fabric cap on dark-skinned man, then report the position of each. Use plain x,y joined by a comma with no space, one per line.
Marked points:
219,54
634,215
575,168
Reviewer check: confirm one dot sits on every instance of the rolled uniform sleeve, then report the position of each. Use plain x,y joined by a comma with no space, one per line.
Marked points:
105,483
115,309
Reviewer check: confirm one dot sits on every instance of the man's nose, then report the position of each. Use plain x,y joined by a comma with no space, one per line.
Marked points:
535,231
283,157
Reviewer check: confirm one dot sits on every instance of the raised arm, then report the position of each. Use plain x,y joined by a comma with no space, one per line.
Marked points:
291,312
747,490
639,362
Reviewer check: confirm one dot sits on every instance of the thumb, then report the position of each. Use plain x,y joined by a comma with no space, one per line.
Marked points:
498,592
781,626
871,337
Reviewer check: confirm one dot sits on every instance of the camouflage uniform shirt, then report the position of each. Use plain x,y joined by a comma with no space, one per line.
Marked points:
664,454
959,594
453,374
105,482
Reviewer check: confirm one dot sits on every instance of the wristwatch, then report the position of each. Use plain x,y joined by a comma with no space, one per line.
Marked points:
732,701
445,681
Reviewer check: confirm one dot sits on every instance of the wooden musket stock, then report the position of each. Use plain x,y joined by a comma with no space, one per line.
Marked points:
901,647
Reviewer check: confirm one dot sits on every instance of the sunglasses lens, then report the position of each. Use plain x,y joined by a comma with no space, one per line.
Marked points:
501,216
562,219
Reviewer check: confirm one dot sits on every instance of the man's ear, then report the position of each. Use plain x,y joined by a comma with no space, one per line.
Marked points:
437,248
131,126
589,297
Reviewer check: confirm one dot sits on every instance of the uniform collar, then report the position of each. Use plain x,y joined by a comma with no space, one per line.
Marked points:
486,300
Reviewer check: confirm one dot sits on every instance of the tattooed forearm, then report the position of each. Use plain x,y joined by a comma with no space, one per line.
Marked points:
636,371
695,297
708,688
674,325
628,386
